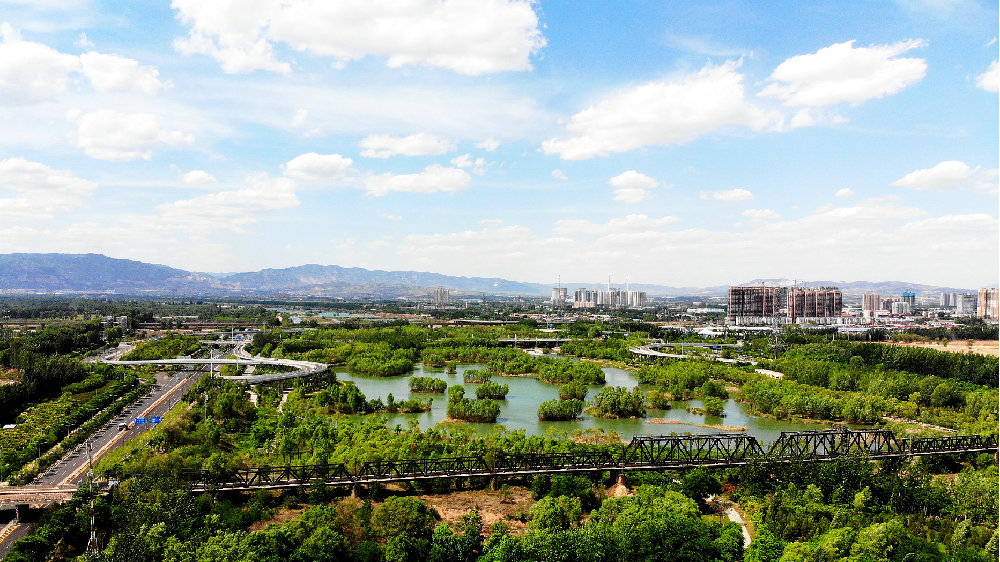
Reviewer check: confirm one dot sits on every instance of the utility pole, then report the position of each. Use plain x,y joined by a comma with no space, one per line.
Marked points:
92,548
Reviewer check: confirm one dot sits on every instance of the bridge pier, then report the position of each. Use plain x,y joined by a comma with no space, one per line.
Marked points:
620,481
355,490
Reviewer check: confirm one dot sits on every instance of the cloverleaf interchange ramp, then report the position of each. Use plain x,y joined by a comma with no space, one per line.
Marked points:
301,368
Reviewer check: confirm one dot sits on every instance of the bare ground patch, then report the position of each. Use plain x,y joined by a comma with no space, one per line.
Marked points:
492,506
983,347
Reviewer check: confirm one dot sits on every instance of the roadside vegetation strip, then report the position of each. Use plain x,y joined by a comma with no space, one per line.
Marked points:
81,434
50,422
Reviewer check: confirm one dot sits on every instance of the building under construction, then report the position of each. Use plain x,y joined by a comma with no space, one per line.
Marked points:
755,304
822,306
760,304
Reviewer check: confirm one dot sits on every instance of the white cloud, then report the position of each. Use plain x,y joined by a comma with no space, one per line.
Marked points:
39,190
112,73
702,45
737,194
31,72
434,178
420,144
110,135
844,192
299,119
757,216
84,43
843,73
949,175
665,112
467,37
489,145
393,217
634,223
229,210
492,248
989,80
559,175
478,165
197,177
315,167
632,187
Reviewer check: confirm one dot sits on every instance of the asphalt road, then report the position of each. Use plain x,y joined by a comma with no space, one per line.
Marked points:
72,468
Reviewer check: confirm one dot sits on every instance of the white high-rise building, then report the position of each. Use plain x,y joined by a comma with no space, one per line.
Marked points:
559,296
965,303
442,297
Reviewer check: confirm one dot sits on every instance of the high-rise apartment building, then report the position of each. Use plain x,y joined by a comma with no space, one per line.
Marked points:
870,304
611,298
442,297
988,304
559,296
965,304
753,304
910,298
815,305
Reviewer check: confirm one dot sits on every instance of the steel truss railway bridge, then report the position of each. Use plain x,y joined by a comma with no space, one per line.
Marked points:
674,452
642,453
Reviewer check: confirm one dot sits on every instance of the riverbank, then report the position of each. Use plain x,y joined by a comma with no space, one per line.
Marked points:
664,421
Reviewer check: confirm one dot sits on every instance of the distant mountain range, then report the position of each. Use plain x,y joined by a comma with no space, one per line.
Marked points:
95,273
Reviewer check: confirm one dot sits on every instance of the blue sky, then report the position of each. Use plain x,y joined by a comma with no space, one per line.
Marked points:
677,143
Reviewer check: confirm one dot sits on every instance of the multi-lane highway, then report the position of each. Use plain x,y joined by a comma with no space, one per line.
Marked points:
59,480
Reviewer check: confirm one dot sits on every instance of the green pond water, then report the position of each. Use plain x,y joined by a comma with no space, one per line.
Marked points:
519,410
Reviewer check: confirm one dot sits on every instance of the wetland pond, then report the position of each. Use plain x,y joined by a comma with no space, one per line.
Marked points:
519,410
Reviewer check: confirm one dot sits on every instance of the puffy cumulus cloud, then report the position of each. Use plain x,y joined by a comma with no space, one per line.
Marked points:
489,145
949,175
316,167
110,135
434,178
665,112
478,165
38,190
31,72
738,194
627,224
632,187
844,192
470,38
559,175
197,177
420,144
112,73
989,80
231,210
844,73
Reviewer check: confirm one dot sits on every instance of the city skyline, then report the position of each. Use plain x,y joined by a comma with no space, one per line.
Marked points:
685,145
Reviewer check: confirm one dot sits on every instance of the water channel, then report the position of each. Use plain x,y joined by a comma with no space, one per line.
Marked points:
519,410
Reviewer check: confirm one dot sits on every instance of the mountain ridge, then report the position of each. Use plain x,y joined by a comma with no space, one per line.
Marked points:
96,273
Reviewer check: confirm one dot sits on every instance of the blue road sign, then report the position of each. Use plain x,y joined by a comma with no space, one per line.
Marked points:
140,421
155,419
